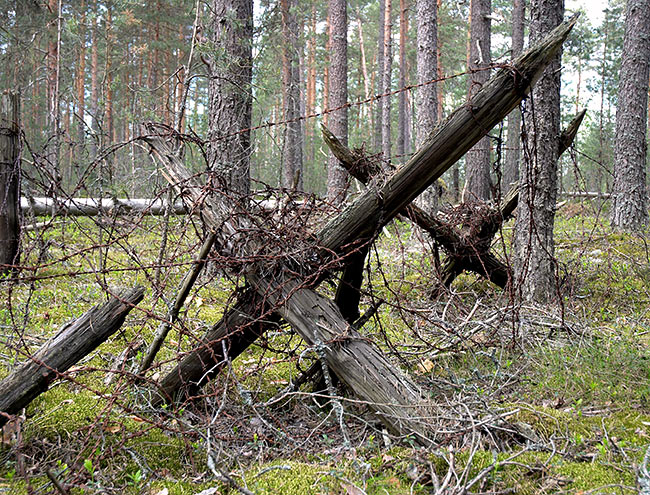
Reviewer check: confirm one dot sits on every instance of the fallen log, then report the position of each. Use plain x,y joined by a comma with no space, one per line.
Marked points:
380,203
92,207
73,342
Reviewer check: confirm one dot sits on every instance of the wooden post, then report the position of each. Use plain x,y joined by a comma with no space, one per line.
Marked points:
293,299
73,342
9,180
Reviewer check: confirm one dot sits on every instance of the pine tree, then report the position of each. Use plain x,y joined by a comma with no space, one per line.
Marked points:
535,264
513,146
630,211
477,160
229,93
338,95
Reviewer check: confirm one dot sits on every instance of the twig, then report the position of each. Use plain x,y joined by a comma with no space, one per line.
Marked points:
57,484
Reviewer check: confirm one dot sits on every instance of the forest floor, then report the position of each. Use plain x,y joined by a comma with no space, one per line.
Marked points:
531,399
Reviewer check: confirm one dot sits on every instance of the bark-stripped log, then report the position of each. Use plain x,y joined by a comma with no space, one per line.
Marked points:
73,342
448,143
380,203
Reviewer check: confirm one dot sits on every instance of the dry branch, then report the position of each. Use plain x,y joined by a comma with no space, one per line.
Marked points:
73,342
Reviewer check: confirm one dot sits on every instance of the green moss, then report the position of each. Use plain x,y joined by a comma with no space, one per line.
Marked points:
591,476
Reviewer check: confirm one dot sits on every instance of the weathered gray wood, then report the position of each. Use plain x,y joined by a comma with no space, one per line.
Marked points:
446,145
90,207
240,326
9,179
365,216
398,402
74,341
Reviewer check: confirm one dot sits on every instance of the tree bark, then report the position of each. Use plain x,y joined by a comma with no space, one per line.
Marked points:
229,93
386,83
630,210
9,180
338,95
477,161
513,142
535,264
81,77
292,165
379,74
73,342
427,98
403,125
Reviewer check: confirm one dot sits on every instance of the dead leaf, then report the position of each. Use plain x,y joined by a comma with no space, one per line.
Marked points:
425,366
351,489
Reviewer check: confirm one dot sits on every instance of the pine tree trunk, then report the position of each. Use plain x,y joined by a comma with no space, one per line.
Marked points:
9,180
513,143
477,160
630,211
310,98
427,98
94,84
229,93
386,83
379,75
292,142
81,77
402,103
338,96
535,265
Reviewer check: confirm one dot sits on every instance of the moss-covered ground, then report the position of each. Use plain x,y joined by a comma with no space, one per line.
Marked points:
533,399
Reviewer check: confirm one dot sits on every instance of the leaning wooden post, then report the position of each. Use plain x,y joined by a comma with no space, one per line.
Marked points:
362,219
73,342
9,180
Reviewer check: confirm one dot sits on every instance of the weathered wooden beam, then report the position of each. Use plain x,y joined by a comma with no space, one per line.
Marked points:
398,402
359,222
451,139
91,207
74,341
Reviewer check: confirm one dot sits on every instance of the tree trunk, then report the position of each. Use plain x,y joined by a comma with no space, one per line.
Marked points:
535,264
292,143
9,180
379,74
403,148
513,143
229,93
386,83
630,210
73,342
338,95
310,100
427,98
477,161
94,84
81,77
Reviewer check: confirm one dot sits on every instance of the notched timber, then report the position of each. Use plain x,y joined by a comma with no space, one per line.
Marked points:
446,145
376,207
73,342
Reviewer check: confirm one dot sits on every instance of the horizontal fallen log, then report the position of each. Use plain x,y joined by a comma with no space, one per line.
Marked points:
585,194
73,342
92,207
